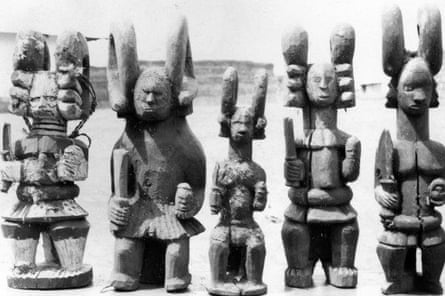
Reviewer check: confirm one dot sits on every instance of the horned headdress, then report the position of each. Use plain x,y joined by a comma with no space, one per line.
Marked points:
31,57
230,97
294,44
394,54
123,68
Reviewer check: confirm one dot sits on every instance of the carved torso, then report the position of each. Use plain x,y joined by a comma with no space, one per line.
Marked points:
417,164
238,179
160,159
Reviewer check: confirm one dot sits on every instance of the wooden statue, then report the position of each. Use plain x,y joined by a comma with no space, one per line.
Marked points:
158,166
320,223
47,162
410,172
237,249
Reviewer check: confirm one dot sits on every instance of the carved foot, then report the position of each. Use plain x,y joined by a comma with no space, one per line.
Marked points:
124,282
224,289
298,278
343,277
23,269
178,284
249,288
404,285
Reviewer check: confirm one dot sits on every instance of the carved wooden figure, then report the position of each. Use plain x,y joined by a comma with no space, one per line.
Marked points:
158,165
237,248
320,223
410,172
47,162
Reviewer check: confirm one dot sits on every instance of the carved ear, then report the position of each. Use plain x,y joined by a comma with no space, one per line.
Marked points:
429,28
393,44
179,66
259,102
123,69
294,45
228,100
342,44
31,52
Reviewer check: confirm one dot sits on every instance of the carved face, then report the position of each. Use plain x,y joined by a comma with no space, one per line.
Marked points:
415,87
242,125
321,85
152,96
43,97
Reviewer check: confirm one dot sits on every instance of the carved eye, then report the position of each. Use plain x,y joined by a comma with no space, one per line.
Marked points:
408,88
316,79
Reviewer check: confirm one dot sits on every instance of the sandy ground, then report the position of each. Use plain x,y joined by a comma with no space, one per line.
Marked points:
366,121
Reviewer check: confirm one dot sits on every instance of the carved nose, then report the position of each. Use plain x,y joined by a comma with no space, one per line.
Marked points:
150,98
419,97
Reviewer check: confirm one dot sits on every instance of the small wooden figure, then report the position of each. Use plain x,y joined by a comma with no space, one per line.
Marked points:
47,162
410,172
158,166
237,249
320,223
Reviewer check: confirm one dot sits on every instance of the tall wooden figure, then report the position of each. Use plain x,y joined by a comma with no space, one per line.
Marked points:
409,173
161,186
320,223
237,249
47,162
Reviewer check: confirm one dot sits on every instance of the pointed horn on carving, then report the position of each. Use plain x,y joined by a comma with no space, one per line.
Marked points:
31,52
259,103
342,43
294,45
393,42
430,36
123,68
228,99
179,66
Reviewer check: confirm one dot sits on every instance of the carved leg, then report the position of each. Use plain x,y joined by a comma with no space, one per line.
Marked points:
177,276
255,255
49,250
296,240
433,259
399,272
25,238
342,272
69,238
218,255
128,258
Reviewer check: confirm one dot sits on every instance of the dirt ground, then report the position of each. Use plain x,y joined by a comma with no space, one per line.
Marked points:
366,121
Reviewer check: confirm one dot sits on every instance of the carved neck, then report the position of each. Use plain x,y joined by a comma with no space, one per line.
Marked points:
413,128
153,127
49,127
320,118
240,151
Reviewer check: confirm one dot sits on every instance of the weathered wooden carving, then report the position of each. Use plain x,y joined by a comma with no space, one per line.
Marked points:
158,166
47,162
237,248
320,223
410,172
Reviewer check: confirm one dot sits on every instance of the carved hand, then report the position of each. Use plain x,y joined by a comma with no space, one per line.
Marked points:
436,192
216,196
351,163
73,165
294,170
385,198
119,211
184,201
259,202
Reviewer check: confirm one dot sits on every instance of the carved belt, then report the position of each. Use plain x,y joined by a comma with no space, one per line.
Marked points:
35,193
